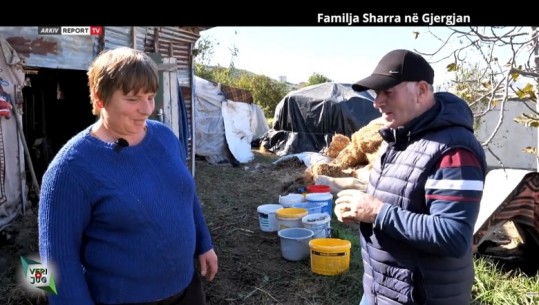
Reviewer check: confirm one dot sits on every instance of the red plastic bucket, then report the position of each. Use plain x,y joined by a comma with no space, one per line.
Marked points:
318,188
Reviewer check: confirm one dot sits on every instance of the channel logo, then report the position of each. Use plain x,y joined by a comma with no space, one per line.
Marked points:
70,30
37,275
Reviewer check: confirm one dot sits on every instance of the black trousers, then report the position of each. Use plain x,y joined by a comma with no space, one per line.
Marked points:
192,295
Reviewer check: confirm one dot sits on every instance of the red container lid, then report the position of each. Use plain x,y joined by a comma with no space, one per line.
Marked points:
318,188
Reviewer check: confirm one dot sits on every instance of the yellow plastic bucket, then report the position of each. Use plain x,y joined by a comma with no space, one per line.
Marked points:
290,217
330,256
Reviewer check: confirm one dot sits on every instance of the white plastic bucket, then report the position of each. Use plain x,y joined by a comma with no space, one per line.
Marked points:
319,223
288,200
322,198
295,243
266,217
290,217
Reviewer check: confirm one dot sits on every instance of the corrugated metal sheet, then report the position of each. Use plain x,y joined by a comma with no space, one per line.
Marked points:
51,51
77,52
174,42
117,36
177,42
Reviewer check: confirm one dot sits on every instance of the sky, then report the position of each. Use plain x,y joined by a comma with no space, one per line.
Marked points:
343,54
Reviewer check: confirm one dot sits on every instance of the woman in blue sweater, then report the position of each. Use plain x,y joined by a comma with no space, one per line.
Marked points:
119,218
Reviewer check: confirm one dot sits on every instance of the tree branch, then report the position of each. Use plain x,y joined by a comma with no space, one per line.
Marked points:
524,73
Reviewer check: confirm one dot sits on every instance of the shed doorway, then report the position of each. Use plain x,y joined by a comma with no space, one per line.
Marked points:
56,107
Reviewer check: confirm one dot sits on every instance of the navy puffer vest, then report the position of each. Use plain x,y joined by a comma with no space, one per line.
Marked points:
395,272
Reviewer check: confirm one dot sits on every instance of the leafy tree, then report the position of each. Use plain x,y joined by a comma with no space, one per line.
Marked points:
473,85
507,59
317,78
267,93
203,54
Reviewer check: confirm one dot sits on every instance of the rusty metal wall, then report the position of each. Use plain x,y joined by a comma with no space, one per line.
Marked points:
77,52
174,42
177,42
51,51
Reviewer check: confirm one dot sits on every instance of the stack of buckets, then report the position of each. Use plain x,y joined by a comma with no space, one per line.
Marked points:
302,223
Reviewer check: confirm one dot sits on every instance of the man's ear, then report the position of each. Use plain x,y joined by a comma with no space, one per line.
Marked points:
423,88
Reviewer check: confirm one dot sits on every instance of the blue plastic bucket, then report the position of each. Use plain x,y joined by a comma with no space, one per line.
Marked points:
311,206
322,198
295,243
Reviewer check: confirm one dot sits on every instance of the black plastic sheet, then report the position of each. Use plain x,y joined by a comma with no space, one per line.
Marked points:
306,119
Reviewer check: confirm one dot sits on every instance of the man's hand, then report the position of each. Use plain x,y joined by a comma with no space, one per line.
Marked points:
353,206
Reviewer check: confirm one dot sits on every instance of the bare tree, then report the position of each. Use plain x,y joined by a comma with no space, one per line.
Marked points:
507,58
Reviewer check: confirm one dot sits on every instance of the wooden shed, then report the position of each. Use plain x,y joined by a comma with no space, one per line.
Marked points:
44,76
55,92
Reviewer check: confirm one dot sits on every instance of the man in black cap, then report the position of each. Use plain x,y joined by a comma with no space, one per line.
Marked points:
418,214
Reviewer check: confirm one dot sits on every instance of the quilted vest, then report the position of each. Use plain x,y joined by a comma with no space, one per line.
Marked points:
394,272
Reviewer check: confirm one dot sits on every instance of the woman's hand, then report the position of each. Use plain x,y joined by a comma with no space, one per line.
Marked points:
208,264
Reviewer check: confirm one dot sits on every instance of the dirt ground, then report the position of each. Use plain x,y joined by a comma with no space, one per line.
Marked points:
251,269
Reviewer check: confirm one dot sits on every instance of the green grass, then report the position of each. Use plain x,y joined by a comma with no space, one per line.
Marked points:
270,121
495,287
342,231
492,285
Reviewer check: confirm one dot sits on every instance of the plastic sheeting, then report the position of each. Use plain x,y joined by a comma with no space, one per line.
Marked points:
306,120
224,125
238,130
13,190
210,131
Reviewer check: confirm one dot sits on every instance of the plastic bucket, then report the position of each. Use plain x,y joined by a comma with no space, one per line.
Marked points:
266,217
295,243
330,256
326,198
290,218
319,223
288,200
311,206
318,188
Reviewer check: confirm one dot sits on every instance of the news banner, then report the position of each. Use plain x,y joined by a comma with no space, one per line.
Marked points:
70,30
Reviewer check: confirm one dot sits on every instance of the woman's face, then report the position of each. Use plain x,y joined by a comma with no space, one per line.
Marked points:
126,114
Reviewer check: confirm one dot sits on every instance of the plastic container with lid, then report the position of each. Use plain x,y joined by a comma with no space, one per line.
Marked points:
289,200
322,198
290,217
266,217
318,188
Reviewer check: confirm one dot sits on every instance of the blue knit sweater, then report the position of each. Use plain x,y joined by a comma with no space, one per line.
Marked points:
120,226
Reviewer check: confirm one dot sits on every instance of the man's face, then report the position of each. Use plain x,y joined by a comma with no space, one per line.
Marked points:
399,104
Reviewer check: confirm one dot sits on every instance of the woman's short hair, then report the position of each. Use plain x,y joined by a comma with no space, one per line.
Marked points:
122,68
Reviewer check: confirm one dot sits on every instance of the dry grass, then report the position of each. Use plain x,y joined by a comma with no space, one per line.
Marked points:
252,270
24,242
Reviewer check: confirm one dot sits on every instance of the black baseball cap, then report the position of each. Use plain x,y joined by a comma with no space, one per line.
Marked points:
396,67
